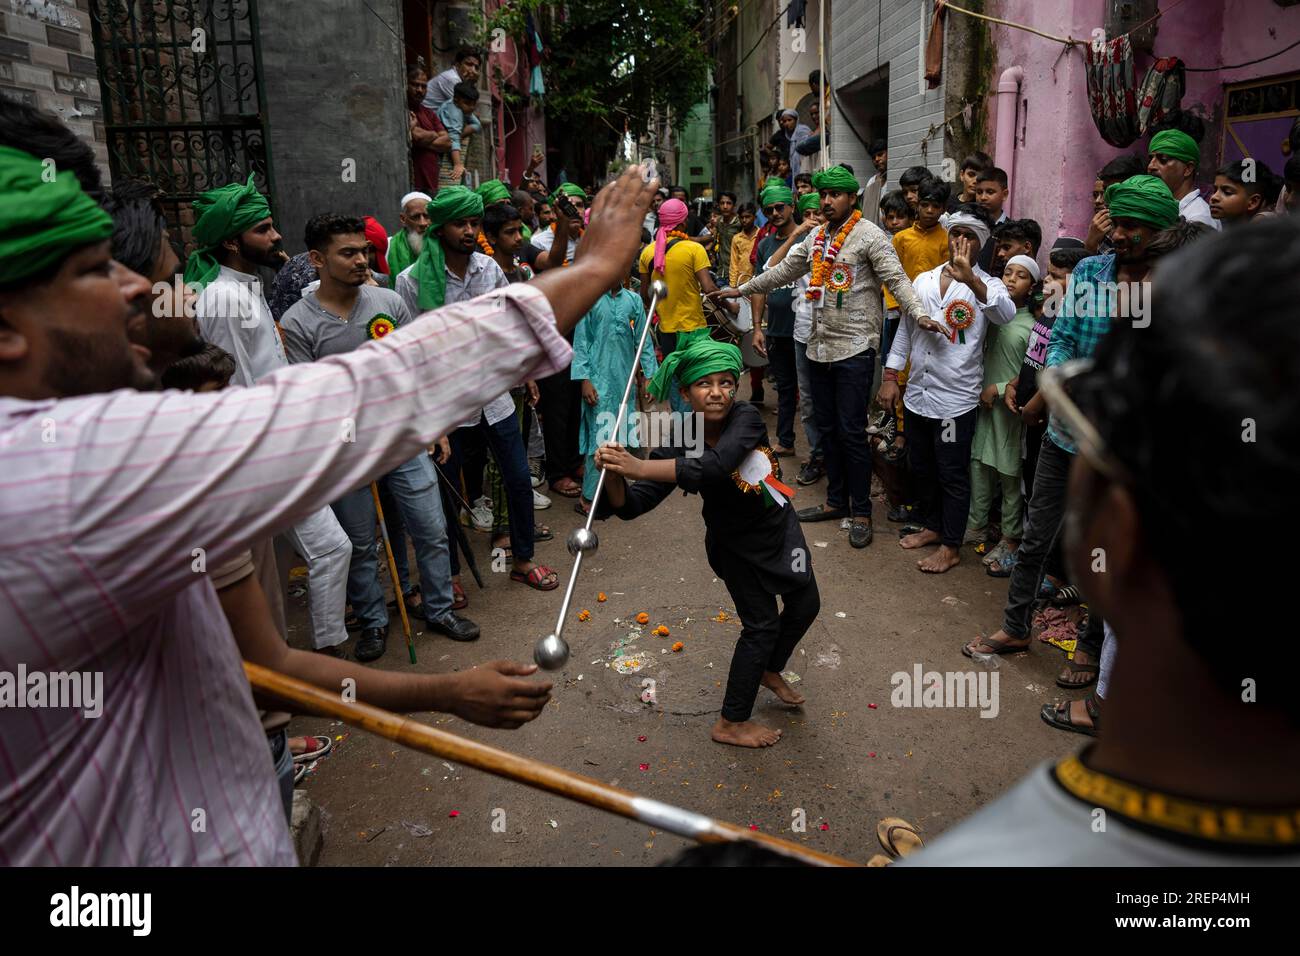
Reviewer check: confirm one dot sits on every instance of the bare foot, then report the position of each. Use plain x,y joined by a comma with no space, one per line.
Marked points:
1000,642
919,540
942,560
777,685
746,734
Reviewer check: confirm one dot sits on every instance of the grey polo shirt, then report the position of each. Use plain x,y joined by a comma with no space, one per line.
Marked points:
312,332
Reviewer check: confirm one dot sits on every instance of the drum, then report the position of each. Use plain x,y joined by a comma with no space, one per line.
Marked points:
747,352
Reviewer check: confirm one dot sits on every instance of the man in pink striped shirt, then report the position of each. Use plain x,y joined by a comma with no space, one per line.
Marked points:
114,502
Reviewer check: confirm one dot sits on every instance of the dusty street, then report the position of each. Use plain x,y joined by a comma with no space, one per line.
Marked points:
848,756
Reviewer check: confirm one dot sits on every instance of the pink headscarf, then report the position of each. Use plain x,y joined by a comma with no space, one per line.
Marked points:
672,214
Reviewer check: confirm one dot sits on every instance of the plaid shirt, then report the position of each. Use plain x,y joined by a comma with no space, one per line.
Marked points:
1076,336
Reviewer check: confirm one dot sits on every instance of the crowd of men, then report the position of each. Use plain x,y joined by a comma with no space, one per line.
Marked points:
944,347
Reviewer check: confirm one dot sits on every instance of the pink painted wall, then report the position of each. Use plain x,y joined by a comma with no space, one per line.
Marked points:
1054,167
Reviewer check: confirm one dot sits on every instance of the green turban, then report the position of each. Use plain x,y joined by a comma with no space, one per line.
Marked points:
571,189
399,254
700,357
837,177
779,192
42,220
218,215
451,203
494,190
1145,198
1177,144
809,201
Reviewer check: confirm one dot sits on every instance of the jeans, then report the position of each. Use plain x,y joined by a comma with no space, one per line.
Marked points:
282,760
324,545
780,353
1046,515
767,637
414,487
806,415
668,345
938,454
888,329
506,444
841,391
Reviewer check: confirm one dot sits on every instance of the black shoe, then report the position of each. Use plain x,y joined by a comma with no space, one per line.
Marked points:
899,513
454,626
811,473
820,513
371,644
907,529
860,535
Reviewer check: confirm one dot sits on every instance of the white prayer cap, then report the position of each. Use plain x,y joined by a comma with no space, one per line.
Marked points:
1028,264
414,195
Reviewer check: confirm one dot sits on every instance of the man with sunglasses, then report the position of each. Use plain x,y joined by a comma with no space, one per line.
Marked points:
1101,289
1199,761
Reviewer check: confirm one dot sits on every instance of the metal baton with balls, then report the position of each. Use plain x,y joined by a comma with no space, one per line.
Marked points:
552,651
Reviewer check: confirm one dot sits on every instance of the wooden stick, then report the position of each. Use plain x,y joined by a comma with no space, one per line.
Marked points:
532,773
392,572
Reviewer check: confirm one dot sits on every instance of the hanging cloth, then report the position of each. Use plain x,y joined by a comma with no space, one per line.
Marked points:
1112,90
934,47
1161,92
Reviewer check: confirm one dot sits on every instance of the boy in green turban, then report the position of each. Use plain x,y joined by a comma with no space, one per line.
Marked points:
752,537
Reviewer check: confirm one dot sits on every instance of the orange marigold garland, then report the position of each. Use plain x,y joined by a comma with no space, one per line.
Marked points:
566,245
484,244
823,258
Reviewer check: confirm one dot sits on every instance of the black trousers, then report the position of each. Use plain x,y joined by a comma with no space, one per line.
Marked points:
780,354
560,406
767,636
938,454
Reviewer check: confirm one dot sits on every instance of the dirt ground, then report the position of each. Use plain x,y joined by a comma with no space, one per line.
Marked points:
848,757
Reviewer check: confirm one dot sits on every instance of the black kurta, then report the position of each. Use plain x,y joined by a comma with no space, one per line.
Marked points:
742,529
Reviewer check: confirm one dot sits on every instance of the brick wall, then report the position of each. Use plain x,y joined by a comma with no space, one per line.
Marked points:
865,36
47,60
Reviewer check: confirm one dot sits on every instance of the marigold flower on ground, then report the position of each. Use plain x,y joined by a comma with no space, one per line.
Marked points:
601,597
678,646
584,615
643,618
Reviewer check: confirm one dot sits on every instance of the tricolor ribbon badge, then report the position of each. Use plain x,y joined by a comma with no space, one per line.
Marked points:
757,473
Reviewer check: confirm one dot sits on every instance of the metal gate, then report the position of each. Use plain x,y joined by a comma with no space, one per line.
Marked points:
184,104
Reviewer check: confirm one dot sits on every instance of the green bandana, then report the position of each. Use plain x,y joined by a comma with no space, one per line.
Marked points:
1145,198
809,201
1176,144
837,177
700,357
42,222
451,203
494,190
775,194
571,189
218,215
399,254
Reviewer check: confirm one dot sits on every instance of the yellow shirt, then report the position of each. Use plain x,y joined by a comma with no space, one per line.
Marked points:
919,251
681,310
741,268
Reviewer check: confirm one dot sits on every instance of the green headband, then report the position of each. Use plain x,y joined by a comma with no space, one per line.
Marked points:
700,357
1176,144
43,219
1145,198
220,214
775,194
809,201
494,190
572,189
837,177
451,203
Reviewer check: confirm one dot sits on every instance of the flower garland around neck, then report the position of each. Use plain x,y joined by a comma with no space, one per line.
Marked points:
823,258
484,244
566,245
676,234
